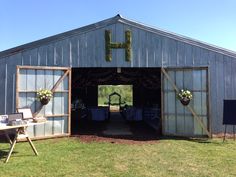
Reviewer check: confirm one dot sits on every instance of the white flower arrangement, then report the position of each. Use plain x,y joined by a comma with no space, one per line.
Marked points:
43,94
185,94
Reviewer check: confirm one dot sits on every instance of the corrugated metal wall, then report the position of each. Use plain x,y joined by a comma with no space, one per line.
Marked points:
148,50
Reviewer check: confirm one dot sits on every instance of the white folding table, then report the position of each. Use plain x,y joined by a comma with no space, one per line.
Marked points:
20,132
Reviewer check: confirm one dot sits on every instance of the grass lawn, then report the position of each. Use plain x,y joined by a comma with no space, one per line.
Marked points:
70,157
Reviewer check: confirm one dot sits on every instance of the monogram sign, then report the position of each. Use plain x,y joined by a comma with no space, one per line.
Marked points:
109,45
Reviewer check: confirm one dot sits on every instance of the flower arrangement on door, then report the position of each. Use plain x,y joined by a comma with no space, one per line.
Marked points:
44,96
185,96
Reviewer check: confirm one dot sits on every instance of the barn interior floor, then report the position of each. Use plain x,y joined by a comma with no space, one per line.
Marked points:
117,125
116,128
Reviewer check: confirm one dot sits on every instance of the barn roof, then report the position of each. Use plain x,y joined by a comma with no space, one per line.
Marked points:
113,20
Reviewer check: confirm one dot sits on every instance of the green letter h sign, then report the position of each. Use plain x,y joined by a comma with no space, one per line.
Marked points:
112,45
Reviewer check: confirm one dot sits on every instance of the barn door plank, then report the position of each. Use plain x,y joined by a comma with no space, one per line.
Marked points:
196,117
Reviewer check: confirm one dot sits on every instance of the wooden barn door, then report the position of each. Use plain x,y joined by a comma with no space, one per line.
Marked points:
31,79
191,120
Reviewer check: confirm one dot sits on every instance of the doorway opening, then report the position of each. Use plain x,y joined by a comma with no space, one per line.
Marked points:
138,102
115,96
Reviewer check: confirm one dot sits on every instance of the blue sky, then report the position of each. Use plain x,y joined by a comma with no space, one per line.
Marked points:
211,21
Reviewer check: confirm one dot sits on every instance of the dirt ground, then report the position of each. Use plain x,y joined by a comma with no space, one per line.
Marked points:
113,140
89,132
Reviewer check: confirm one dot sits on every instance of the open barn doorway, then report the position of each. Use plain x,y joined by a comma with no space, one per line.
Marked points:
138,115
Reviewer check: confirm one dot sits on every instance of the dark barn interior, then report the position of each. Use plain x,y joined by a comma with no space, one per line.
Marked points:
146,84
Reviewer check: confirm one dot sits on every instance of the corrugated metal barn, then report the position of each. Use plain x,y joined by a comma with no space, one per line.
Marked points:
173,61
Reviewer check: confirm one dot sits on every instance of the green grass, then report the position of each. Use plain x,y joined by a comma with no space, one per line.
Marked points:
70,157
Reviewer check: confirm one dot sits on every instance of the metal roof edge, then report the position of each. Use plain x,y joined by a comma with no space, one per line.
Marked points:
178,37
59,36
109,21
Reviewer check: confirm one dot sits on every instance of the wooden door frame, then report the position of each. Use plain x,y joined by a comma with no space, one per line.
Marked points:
209,130
67,71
